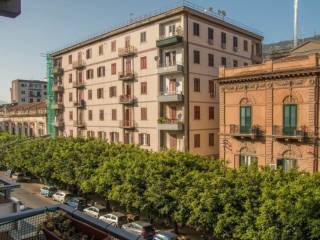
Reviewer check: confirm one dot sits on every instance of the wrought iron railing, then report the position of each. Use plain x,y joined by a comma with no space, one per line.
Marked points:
239,130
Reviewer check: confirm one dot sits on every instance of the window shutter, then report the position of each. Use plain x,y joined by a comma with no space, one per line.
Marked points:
140,138
148,139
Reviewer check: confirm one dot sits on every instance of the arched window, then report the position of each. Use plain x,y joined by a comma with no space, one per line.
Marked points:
289,116
287,162
247,158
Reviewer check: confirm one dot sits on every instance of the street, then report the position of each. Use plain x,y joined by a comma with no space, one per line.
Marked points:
29,194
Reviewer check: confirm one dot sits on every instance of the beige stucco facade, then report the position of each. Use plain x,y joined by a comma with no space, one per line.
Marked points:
26,120
282,98
155,97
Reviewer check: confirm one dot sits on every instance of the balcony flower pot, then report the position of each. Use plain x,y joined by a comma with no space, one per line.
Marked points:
61,226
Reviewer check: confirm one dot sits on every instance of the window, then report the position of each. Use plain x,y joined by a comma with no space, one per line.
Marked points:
113,114
89,53
144,113
101,71
172,30
210,35
114,137
286,164
223,40
100,50
143,62
235,44
70,115
90,94
196,57
113,91
100,93
144,139
143,88
90,134
211,113
245,119
196,29
89,73
211,139
101,115
258,49
113,68
70,97
210,60
211,88
113,46
196,139
196,84
90,115
70,77
289,119
235,63
71,133
247,160
224,61
245,45
196,112
70,59
143,37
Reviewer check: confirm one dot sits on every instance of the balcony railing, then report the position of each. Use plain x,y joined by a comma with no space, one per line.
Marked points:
126,76
128,124
127,51
252,132
57,88
291,133
78,84
169,40
79,64
79,124
57,71
170,96
58,123
170,124
169,69
127,99
58,106
29,224
79,104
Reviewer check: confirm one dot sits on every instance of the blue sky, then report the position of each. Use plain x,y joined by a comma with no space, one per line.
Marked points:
45,25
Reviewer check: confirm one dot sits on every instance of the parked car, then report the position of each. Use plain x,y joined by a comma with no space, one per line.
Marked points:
61,196
95,211
77,203
140,228
165,235
48,191
20,177
116,219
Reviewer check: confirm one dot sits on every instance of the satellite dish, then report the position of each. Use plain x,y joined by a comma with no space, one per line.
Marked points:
180,116
156,58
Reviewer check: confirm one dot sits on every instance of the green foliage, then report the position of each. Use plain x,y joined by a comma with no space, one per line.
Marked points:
182,188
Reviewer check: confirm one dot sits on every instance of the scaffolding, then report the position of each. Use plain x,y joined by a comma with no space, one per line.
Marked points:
50,98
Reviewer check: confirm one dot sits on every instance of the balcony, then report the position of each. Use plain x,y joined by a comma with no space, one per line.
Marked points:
291,133
57,106
57,88
168,96
78,64
58,123
170,69
78,84
127,99
79,124
170,124
256,58
127,51
243,132
166,41
126,76
57,71
128,124
32,224
79,104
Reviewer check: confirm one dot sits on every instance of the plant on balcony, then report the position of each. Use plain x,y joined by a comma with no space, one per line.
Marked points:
162,120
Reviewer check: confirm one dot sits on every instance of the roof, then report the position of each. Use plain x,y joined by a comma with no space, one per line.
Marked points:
28,107
157,15
32,81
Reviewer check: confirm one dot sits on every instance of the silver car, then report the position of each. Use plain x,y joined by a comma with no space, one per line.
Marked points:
116,219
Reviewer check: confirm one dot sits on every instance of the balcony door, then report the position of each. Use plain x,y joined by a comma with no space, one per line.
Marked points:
127,42
172,85
127,116
173,141
128,66
245,119
170,58
173,112
289,119
127,90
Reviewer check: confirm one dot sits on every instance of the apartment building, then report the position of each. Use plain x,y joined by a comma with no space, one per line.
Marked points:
150,82
28,91
24,119
269,113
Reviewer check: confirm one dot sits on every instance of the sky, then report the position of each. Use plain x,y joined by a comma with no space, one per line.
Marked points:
45,25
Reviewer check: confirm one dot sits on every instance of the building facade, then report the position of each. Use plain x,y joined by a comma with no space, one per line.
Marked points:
28,91
269,113
150,82
26,120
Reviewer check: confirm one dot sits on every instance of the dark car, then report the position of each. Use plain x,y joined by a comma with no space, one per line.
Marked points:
77,203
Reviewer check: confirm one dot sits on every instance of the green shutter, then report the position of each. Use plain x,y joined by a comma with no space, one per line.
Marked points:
289,119
245,119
